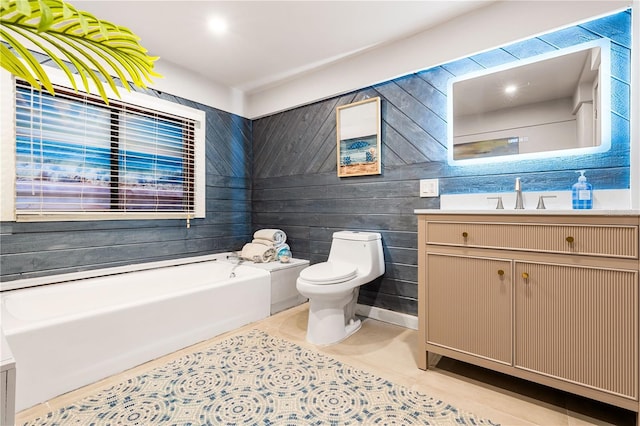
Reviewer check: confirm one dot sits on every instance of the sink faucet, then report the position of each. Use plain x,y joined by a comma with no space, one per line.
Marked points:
519,202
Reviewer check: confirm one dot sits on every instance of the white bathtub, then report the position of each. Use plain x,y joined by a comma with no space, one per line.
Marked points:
71,334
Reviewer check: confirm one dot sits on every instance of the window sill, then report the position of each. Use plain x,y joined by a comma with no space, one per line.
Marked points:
75,216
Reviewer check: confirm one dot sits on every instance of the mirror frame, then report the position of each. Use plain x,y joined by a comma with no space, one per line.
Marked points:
357,129
604,79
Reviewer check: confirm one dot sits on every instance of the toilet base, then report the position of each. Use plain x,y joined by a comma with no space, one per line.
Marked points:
326,324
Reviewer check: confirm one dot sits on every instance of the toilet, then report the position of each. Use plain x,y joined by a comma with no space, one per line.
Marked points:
332,287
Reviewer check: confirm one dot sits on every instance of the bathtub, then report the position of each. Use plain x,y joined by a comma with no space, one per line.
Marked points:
71,334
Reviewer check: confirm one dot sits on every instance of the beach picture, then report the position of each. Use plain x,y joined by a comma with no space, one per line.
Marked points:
358,134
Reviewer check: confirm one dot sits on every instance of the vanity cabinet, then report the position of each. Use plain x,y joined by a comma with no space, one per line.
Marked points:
550,298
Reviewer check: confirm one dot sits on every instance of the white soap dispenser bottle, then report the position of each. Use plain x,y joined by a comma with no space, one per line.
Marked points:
582,193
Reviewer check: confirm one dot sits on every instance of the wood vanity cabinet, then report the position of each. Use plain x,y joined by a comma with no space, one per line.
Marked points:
546,297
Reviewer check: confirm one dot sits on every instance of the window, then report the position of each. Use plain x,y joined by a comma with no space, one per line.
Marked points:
77,157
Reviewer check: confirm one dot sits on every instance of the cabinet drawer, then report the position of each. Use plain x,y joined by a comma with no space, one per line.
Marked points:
595,240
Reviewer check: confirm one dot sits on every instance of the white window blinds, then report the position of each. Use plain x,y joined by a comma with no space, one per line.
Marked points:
76,154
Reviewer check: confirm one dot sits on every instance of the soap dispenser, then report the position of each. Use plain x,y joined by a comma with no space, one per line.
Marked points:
582,193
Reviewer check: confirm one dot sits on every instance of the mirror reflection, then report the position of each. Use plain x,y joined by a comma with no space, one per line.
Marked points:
552,104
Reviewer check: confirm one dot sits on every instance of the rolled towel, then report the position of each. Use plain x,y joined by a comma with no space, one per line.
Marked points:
264,242
276,235
258,252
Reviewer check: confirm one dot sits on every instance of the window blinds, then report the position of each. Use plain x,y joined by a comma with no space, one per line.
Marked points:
75,154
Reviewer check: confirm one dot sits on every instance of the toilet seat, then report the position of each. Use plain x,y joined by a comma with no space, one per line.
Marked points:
328,273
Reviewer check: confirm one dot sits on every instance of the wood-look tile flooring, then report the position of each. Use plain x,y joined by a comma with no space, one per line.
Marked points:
389,351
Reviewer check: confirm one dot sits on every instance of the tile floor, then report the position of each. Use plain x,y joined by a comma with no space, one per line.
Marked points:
389,351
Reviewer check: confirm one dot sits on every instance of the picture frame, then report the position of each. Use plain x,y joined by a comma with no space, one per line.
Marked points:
358,138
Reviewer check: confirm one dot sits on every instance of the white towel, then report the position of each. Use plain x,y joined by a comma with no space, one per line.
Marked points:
276,235
264,242
258,252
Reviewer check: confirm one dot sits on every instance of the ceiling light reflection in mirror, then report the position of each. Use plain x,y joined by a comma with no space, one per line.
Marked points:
548,105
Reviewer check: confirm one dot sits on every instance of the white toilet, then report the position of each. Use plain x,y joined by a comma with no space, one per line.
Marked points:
355,258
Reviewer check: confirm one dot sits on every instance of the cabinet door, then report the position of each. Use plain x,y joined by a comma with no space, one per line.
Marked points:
578,324
469,305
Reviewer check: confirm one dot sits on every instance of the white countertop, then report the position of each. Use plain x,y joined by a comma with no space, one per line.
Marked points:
590,212
276,265
609,202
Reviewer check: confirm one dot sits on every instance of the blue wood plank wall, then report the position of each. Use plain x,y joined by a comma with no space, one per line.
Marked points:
36,249
295,186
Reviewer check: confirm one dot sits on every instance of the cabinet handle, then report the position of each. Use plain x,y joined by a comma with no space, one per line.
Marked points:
500,272
465,234
525,275
569,239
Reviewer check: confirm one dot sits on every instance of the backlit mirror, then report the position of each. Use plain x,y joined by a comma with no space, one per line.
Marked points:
548,105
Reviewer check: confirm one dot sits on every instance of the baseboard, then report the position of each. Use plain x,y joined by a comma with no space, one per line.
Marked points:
385,315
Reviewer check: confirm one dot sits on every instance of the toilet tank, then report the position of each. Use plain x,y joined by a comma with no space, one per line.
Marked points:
363,249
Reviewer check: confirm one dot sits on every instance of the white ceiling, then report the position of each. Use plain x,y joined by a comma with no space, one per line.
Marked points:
270,42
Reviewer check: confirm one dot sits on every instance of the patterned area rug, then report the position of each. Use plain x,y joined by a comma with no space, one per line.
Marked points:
257,379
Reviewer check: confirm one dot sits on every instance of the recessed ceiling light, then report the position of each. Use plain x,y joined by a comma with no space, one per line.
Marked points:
510,89
218,25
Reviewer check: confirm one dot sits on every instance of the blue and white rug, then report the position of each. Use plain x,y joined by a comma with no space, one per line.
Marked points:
257,379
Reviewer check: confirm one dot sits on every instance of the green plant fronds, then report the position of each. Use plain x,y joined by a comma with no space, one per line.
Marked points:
97,49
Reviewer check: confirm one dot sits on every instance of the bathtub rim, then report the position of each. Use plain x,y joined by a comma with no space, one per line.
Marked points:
113,270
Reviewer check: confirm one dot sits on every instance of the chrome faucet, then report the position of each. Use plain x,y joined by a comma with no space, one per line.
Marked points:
519,202
239,261
541,205
499,205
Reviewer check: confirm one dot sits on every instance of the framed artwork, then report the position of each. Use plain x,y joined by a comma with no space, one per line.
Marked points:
358,134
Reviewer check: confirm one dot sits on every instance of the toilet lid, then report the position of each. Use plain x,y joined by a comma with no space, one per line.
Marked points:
328,273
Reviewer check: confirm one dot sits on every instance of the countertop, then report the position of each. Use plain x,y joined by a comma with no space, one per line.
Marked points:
276,265
535,212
